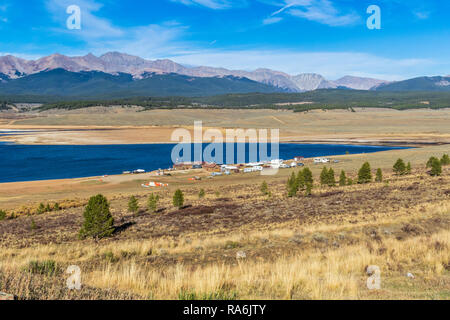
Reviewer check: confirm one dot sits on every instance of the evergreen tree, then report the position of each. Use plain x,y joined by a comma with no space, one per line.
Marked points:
365,174
152,202
308,176
349,181
331,178
292,185
2,215
342,179
48,208
301,180
445,161
56,207
379,176
436,168
324,178
201,194
133,205
98,221
400,167
178,199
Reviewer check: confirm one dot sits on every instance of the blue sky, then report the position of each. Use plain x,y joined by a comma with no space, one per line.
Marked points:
329,37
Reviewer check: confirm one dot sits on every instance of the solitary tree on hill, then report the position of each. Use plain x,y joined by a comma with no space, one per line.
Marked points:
98,221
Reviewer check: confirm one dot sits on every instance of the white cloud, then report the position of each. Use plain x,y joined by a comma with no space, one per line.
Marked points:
272,20
321,11
101,35
213,4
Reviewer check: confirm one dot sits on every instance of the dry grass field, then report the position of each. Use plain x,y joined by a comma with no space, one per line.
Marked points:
130,125
314,247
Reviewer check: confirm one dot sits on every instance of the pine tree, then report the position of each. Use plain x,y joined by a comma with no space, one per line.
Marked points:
292,185
56,207
349,181
2,215
152,202
98,221
133,205
445,161
48,208
331,178
308,176
33,225
365,174
178,199
408,168
436,168
201,194
324,177
301,180
342,179
379,176
400,167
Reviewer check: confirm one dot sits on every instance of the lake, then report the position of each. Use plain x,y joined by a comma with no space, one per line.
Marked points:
45,162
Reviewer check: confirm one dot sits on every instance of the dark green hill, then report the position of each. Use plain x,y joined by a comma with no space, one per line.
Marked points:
99,85
418,84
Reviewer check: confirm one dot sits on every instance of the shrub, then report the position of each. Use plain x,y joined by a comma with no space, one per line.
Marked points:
264,188
365,174
408,168
98,221
400,167
445,161
436,168
342,179
379,176
133,205
349,181
430,161
201,194
48,267
41,208
152,202
2,215
33,225
178,199
56,207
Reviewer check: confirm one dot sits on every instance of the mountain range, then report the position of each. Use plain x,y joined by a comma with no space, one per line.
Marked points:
115,62
118,75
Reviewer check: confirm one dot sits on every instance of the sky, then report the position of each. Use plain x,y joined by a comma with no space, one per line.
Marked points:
329,37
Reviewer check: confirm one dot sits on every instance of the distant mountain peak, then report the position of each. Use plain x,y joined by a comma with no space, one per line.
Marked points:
116,62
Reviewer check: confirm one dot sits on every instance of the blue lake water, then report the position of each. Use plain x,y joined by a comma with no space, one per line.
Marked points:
44,162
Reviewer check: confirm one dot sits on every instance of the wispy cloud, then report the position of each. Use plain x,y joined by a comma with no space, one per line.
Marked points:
100,34
321,11
214,4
